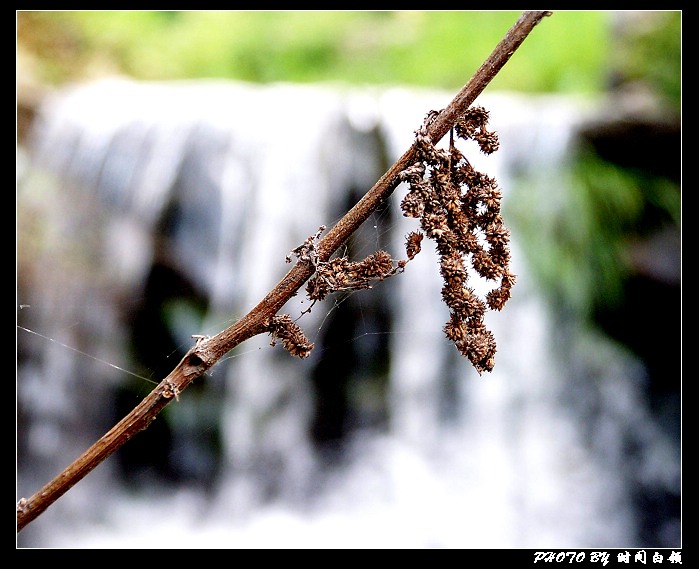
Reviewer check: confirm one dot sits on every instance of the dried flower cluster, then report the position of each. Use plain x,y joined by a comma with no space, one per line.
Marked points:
341,275
459,208
336,275
294,340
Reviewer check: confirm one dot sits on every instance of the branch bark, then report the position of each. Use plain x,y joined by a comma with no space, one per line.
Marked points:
208,351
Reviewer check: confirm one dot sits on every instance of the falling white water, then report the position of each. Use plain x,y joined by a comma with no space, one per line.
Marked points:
498,461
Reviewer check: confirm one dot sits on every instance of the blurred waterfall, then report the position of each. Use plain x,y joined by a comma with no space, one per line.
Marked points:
151,212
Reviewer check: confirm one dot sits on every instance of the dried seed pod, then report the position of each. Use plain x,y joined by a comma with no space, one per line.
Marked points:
292,337
413,244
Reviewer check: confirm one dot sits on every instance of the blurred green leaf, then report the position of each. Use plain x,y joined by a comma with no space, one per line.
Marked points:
441,49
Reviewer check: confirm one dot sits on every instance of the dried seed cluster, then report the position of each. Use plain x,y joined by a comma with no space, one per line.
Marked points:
337,275
459,208
341,275
294,340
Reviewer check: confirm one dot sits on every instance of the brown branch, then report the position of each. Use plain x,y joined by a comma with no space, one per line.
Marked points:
207,351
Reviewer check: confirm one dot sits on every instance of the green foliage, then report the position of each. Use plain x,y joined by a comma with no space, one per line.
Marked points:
651,51
428,48
578,224
576,231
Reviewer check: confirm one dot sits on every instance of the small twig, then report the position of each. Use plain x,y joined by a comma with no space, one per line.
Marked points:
208,351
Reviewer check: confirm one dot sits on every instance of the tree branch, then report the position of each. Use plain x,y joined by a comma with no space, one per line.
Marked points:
208,351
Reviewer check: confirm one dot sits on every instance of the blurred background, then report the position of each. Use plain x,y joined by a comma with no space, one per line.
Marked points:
167,162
